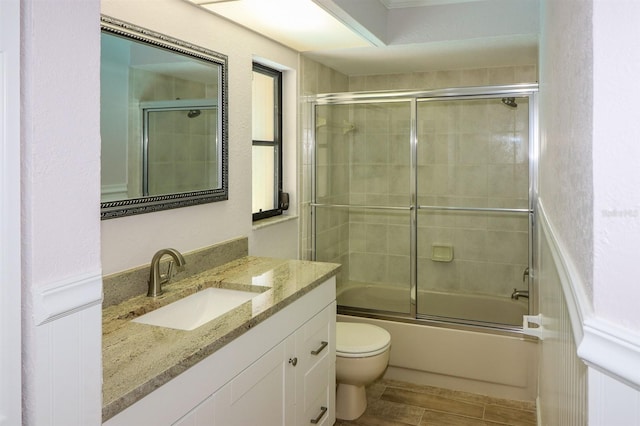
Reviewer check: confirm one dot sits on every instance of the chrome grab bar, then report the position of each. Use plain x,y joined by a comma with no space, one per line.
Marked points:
356,206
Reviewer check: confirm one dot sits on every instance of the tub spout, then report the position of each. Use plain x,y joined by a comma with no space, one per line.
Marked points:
519,293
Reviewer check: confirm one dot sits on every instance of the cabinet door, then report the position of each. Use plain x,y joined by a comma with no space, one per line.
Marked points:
315,373
257,395
319,395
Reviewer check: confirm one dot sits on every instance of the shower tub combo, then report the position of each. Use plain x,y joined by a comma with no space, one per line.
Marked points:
426,199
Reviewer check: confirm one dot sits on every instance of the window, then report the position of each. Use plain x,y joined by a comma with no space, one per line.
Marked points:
267,142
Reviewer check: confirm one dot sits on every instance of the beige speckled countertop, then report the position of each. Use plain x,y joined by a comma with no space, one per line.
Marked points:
139,358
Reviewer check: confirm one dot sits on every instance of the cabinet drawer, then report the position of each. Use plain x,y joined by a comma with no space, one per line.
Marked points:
315,341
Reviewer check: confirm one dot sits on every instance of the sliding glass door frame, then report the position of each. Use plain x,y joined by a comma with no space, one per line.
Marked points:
415,97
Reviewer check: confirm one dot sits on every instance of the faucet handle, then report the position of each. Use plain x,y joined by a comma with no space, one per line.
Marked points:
164,278
525,274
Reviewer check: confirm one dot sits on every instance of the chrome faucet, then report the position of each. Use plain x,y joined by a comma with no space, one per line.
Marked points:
519,293
156,279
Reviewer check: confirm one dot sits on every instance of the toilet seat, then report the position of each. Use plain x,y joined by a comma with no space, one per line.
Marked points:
359,340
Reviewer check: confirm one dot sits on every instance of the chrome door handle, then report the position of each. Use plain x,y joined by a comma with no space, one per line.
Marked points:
323,411
320,349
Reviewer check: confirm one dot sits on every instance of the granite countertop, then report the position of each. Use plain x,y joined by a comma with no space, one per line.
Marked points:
139,358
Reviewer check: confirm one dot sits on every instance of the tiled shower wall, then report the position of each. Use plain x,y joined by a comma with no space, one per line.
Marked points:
462,167
316,78
379,176
473,153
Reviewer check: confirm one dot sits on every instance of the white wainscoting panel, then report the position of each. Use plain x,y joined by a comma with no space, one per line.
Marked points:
562,387
590,372
612,402
68,376
64,364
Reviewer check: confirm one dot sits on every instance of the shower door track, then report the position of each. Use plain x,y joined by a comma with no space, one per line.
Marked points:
435,321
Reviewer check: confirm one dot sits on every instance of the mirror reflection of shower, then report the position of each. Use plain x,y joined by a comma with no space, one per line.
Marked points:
179,155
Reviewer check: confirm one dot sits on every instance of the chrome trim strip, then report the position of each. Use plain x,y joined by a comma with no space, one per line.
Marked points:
314,166
485,92
534,147
413,226
466,209
476,209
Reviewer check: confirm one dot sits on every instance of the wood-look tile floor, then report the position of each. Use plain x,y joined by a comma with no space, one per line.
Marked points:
393,403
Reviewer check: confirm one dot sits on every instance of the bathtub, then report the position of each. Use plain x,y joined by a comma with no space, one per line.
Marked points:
483,361
479,308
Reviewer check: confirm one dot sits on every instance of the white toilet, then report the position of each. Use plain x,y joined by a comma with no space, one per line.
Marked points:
362,355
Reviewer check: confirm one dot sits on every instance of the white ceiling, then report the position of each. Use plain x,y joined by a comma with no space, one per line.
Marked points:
359,37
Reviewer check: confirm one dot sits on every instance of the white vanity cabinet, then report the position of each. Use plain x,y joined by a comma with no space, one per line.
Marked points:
292,384
278,373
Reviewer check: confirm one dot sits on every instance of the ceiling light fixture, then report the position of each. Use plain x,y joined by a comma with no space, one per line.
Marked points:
299,24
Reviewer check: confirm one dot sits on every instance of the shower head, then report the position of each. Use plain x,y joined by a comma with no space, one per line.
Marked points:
193,113
510,102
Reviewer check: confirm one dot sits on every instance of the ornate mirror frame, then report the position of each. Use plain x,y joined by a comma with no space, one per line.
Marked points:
134,206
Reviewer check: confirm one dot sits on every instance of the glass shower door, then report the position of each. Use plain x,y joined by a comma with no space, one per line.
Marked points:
362,197
473,215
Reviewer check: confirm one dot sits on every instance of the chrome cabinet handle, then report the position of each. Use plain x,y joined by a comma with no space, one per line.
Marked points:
320,349
323,411
293,361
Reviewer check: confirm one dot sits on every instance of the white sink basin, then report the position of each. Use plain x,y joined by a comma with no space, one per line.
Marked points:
192,311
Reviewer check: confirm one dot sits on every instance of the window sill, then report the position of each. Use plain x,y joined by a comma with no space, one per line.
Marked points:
270,221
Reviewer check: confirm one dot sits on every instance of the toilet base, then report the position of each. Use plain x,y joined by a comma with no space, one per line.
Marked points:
351,401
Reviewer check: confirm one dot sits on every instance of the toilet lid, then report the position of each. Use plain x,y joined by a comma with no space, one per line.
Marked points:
358,339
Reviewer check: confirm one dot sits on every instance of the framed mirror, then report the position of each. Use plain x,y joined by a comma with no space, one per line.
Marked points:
163,122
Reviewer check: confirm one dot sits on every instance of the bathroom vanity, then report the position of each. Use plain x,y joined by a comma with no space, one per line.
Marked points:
269,361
